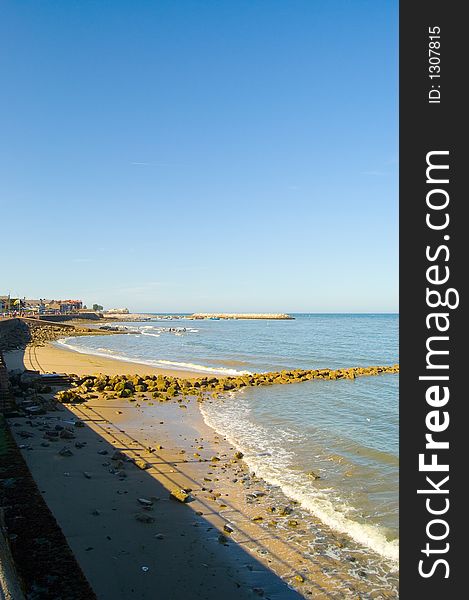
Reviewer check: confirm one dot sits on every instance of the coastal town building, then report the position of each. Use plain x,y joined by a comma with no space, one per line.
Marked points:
42,306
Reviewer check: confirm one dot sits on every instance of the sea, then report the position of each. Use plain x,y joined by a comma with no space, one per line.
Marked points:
344,431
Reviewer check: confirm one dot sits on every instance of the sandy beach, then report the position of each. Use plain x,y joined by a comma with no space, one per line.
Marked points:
131,539
53,359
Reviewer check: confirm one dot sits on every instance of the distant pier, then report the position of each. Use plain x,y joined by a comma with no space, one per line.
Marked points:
272,316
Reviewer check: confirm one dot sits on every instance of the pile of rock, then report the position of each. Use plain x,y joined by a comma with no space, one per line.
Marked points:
41,334
33,394
16,334
164,387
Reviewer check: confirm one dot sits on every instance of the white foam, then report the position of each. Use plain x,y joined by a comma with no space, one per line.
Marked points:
269,458
202,368
160,329
181,366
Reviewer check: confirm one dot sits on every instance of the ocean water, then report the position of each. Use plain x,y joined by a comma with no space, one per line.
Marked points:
344,431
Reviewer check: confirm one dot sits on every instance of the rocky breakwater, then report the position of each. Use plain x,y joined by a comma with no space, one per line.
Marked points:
162,388
16,334
273,316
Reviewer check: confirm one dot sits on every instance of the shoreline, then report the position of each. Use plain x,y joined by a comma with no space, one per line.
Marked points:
222,489
50,358
227,523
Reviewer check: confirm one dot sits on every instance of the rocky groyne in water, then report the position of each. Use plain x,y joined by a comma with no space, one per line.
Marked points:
272,316
165,387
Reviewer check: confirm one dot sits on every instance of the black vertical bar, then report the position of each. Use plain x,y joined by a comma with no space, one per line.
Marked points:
432,118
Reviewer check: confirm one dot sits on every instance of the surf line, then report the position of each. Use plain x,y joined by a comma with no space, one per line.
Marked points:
439,297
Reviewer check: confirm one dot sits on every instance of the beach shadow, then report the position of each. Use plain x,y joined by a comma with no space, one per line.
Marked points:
166,549
154,547
321,577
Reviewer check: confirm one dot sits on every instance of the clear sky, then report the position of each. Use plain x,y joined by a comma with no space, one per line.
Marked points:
200,155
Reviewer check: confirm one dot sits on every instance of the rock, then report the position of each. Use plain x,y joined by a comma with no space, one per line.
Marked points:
238,455
257,494
257,519
142,464
299,578
313,475
180,495
103,452
286,510
145,501
87,475
51,434
144,518
293,523
362,573
67,435
65,451
227,528
79,424
118,455
222,539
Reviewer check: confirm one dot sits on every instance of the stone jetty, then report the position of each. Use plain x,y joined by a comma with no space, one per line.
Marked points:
272,316
165,387
17,333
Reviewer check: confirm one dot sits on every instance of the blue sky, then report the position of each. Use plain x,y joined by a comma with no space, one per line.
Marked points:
200,155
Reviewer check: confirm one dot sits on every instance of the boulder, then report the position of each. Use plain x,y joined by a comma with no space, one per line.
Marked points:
144,518
180,495
65,451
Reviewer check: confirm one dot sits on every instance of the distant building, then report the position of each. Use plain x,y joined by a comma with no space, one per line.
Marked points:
63,307
10,304
68,306
36,306
117,311
39,307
